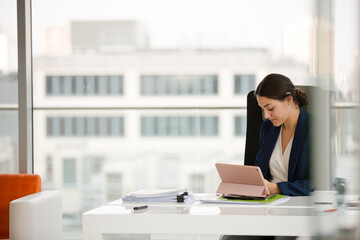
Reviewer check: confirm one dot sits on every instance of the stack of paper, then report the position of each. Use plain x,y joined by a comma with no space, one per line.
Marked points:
159,195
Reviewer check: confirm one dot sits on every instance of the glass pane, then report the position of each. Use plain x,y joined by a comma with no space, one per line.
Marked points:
168,148
346,93
101,68
9,143
346,146
8,88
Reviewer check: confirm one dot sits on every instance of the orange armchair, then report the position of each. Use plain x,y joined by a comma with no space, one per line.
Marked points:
26,212
14,186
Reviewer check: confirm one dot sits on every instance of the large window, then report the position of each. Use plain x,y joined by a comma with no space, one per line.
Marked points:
161,99
346,97
119,92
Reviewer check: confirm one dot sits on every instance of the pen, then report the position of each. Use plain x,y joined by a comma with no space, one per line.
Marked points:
330,210
140,207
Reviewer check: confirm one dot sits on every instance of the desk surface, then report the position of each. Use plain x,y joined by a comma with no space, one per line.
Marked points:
292,218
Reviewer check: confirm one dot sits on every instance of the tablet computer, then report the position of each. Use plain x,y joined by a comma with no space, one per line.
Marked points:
241,180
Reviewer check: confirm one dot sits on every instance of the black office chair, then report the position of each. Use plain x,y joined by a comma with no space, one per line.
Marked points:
254,119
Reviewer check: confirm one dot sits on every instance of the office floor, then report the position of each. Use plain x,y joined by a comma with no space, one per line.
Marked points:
161,237
76,235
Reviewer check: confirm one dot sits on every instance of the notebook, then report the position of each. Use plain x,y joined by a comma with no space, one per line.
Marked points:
241,180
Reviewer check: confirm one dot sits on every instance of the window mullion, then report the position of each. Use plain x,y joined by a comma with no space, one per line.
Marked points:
25,86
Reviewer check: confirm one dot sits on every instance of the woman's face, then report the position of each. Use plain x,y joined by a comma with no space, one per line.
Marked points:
275,110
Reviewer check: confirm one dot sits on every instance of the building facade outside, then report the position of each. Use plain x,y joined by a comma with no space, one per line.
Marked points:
107,125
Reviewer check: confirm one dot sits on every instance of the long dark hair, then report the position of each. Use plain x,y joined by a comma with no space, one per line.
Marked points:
278,87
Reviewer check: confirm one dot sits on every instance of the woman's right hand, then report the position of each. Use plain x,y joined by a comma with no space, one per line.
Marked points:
272,187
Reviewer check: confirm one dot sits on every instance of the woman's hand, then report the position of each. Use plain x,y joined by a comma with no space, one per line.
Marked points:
273,187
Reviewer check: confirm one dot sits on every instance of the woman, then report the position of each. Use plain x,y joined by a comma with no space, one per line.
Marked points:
284,140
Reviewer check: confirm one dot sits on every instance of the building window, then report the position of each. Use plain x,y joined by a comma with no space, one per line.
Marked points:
94,85
49,85
179,126
244,84
179,85
92,181
169,169
114,186
92,168
240,126
197,182
49,170
85,126
69,172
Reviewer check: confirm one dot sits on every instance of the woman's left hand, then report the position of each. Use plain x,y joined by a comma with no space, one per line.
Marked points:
273,187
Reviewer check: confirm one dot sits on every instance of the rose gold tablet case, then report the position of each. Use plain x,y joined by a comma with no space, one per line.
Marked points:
241,180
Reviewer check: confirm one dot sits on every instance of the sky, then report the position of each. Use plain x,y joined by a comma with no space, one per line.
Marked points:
171,24
233,23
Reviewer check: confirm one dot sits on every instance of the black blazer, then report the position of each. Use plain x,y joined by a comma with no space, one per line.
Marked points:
298,172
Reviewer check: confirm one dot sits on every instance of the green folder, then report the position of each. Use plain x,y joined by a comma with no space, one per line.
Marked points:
268,200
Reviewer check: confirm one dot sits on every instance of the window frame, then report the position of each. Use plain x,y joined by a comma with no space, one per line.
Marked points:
25,73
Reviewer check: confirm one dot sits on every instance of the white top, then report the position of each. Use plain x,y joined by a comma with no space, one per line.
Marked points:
279,163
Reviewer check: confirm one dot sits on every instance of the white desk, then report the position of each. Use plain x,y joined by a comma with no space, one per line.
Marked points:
293,218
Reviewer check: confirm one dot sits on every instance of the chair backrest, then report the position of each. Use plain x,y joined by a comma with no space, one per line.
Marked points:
254,119
14,186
